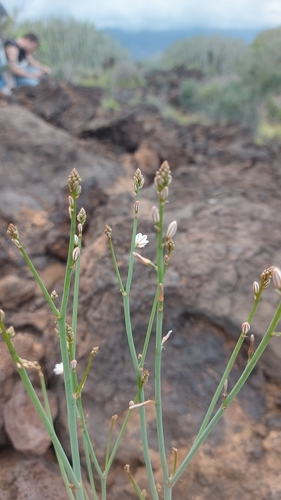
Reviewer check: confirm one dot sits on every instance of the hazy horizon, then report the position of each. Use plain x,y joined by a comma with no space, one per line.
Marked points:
156,15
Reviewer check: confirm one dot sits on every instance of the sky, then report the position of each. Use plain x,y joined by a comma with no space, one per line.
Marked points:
134,15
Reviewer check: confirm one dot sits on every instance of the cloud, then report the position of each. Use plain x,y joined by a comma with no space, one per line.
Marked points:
158,14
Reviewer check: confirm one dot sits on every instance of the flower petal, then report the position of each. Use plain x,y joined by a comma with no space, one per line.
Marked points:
141,240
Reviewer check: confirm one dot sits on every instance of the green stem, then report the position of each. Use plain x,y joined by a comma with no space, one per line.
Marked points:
146,454
49,414
38,406
69,389
149,329
158,350
115,265
103,488
229,366
75,302
39,281
239,384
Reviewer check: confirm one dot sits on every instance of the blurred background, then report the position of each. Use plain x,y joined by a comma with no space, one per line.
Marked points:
219,63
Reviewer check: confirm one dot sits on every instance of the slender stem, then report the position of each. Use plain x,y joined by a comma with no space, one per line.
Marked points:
133,245
149,329
103,488
158,350
126,305
116,446
49,414
239,384
75,301
87,437
40,282
146,453
69,389
38,406
115,265
228,368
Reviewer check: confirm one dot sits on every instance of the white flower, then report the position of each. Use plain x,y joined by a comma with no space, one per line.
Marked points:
141,240
58,369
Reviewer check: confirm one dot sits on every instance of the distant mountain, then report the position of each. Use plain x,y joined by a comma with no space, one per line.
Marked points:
147,43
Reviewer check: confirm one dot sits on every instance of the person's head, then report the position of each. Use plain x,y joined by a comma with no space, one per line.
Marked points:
29,42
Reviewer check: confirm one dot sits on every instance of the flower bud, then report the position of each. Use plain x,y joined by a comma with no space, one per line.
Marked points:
2,315
164,193
76,241
108,231
172,229
71,201
54,295
11,331
276,278
155,215
73,364
75,254
256,288
12,231
245,327
142,259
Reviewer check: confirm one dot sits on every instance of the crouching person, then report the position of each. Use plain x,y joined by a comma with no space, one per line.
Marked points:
24,68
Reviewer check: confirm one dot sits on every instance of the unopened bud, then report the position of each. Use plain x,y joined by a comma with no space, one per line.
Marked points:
73,364
13,232
54,295
256,288
108,231
276,278
80,229
75,254
155,215
70,211
2,315
245,327
142,259
11,331
164,193
172,229
138,180
114,419
71,201
251,347
136,207
76,241
225,386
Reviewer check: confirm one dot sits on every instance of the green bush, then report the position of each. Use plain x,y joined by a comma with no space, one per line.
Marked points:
73,47
189,95
216,55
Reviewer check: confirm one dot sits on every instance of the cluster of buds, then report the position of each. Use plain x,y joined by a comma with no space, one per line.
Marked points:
69,333
74,184
12,231
108,231
144,378
266,276
162,180
81,218
138,181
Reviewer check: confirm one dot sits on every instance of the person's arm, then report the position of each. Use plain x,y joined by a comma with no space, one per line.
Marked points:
33,62
12,54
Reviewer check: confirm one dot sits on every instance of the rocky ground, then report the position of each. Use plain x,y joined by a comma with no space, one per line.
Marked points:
225,196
